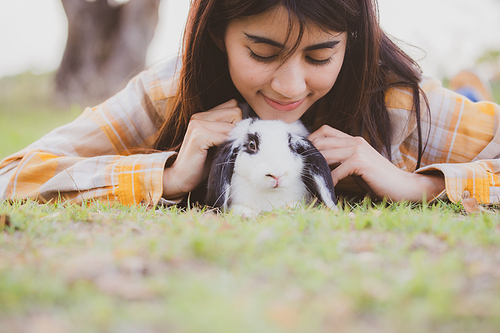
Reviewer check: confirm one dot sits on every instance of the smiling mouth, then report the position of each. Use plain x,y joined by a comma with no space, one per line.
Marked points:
283,106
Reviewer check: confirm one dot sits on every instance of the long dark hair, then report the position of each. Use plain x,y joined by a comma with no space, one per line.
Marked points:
355,104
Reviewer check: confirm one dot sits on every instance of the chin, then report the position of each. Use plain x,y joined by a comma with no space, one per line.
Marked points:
286,116
290,118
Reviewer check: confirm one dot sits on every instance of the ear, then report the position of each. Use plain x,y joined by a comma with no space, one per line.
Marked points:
221,172
316,175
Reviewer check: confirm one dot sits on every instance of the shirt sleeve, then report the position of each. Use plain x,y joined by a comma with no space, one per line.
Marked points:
461,140
96,156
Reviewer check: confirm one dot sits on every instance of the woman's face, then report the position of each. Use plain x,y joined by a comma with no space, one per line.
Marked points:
255,49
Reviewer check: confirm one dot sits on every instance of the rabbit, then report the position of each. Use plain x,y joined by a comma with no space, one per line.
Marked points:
268,164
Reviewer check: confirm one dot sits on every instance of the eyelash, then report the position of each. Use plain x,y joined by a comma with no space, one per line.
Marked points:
319,62
271,58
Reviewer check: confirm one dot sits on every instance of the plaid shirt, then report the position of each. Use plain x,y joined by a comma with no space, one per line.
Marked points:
93,156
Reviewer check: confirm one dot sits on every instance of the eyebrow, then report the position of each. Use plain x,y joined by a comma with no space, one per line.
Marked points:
319,46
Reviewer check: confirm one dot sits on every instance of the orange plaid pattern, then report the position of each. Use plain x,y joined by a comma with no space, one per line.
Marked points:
92,157
462,140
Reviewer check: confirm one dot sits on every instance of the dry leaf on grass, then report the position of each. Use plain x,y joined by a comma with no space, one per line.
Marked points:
4,221
471,206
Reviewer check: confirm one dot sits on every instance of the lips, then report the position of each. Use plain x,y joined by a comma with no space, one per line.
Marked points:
283,106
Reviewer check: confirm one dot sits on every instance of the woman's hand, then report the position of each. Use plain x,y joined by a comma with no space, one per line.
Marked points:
206,129
384,179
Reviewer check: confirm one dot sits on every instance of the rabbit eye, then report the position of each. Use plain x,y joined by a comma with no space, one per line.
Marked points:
252,146
252,143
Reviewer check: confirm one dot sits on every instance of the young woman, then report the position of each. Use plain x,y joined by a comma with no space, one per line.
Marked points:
326,62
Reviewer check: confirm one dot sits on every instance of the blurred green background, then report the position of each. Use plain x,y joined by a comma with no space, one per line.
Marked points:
28,110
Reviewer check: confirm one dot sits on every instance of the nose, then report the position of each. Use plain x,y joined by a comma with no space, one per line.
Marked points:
289,80
276,179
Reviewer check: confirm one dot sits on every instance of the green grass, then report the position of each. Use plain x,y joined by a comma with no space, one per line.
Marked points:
107,268
495,86
27,111
369,268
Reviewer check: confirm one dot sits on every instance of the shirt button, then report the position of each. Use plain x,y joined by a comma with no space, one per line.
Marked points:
466,195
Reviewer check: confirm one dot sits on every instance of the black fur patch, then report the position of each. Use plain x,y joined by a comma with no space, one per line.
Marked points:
252,143
221,173
315,165
299,146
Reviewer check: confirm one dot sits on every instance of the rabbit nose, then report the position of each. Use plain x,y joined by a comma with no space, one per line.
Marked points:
276,180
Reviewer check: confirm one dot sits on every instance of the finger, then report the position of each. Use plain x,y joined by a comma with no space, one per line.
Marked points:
206,134
232,103
228,115
331,143
226,112
342,171
193,152
347,169
328,131
212,139
198,141
201,126
340,155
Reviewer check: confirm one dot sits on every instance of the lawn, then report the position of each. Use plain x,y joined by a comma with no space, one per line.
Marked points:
27,111
371,267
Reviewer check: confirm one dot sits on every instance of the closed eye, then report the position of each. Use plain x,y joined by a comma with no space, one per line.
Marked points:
259,58
317,62
309,59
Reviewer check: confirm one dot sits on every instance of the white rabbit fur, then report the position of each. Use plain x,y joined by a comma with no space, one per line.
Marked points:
266,164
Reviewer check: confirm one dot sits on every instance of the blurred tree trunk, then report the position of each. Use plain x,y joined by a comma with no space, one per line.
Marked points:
106,46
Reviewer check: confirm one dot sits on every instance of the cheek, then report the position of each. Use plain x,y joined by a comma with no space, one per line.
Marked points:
323,79
245,73
243,165
249,166
322,83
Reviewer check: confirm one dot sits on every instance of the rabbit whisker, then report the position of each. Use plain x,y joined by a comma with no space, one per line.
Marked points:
224,163
223,194
308,152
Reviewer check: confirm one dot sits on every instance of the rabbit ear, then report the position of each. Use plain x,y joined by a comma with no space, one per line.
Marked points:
316,175
220,176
